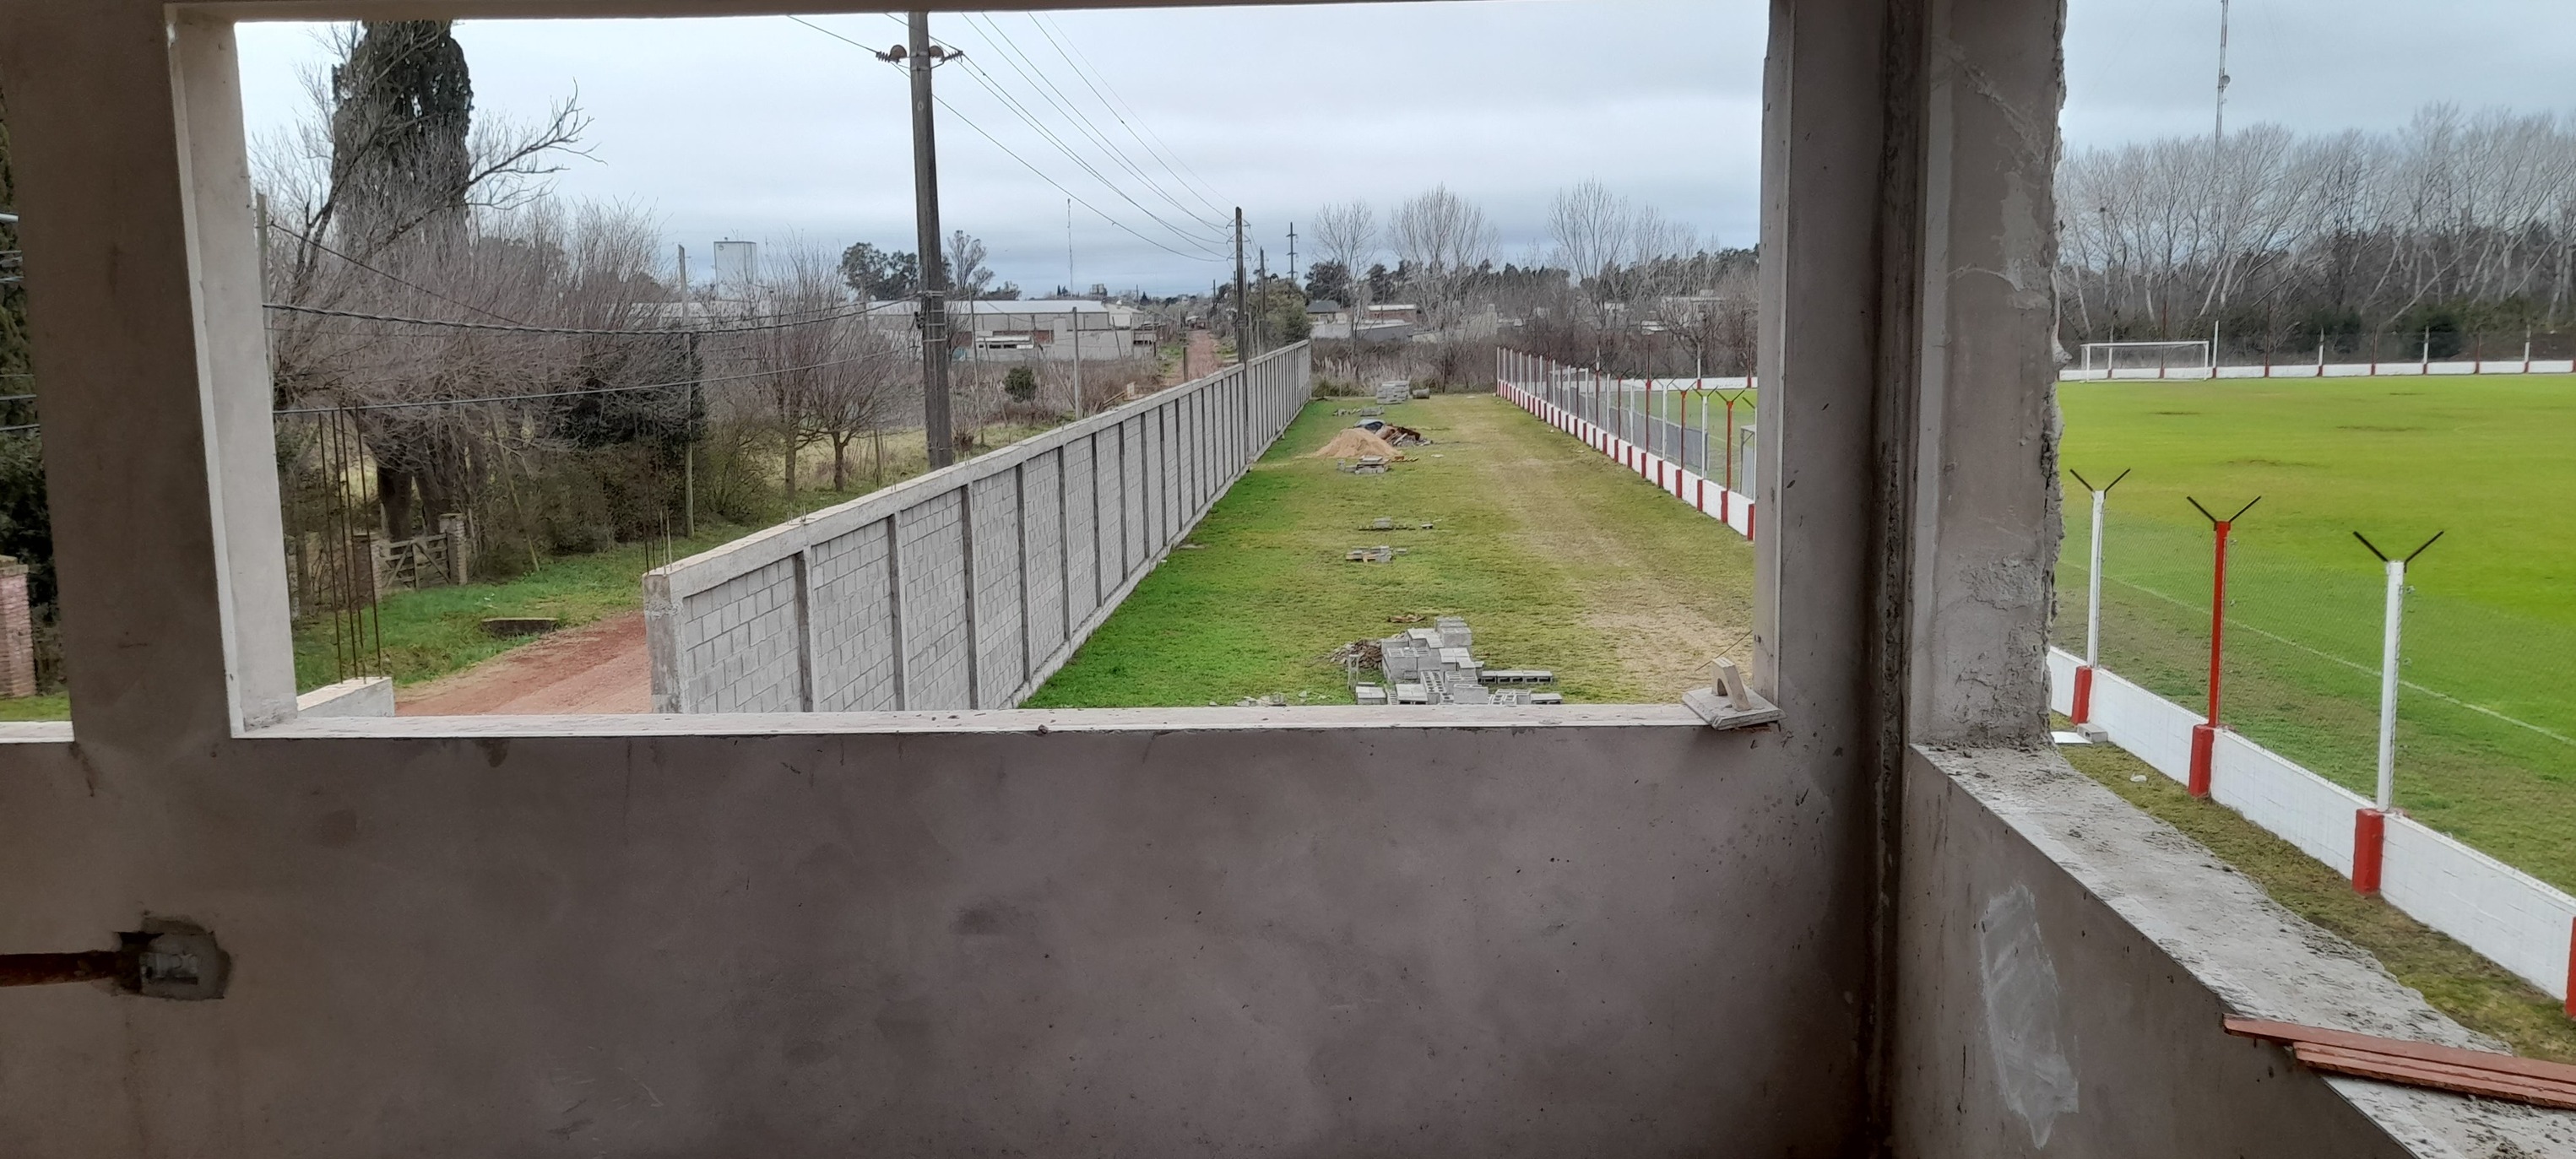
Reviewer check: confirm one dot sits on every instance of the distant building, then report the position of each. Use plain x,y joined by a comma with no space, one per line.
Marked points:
1046,328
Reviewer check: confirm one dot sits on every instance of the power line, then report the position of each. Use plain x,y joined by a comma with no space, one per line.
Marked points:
1059,187
1012,105
1037,77
1007,151
722,378
1085,71
515,328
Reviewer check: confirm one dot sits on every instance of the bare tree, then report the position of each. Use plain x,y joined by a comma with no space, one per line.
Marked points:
1347,233
1441,238
968,276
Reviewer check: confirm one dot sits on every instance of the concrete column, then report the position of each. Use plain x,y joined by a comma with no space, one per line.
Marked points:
148,333
1984,525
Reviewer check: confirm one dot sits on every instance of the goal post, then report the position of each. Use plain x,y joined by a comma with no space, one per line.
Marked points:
2115,358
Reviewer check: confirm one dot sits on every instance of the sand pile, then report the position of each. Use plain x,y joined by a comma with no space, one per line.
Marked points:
1353,443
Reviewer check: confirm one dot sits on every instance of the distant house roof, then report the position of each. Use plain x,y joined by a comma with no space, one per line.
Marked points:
1323,306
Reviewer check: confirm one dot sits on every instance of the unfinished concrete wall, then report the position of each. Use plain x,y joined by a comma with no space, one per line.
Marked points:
966,587
2064,964
1621,934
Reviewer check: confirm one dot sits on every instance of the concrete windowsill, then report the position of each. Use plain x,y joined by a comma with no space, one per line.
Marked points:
1017,720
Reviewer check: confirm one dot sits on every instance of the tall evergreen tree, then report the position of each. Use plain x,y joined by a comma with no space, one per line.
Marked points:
26,527
403,109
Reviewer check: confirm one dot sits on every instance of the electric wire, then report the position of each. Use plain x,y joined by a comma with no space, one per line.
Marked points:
1016,108
515,328
1024,162
1085,71
1082,122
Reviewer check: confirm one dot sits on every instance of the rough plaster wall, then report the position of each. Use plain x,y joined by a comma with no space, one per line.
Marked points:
1984,500
853,621
1625,940
2064,965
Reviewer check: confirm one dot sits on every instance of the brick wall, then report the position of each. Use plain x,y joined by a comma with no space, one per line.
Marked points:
965,587
17,633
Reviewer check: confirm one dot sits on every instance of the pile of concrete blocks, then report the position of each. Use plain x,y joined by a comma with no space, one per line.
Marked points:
1382,553
1394,392
1438,665
1367,465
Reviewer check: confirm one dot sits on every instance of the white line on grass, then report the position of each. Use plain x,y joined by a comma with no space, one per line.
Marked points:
2437,695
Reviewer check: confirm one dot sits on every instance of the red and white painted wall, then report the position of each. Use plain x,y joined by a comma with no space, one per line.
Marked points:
1520,378
2514,919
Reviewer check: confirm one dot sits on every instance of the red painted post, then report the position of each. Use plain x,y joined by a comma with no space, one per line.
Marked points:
2082,710
2571,969
2369,838
1729,483
2204,736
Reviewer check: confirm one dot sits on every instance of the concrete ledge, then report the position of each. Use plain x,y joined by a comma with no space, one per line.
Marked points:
2135,941
371,696
1036,721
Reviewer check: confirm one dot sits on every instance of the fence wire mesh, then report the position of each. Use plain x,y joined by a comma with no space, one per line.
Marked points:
2485,735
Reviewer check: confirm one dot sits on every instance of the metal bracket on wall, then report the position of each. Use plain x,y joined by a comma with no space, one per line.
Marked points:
165,959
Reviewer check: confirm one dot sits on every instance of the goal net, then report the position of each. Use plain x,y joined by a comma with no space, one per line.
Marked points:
2115,357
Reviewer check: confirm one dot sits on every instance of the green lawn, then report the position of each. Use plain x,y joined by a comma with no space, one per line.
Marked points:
2477,993
1556,556
2485,748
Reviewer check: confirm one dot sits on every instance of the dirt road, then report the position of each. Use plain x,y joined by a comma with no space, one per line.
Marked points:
1200,362
599,667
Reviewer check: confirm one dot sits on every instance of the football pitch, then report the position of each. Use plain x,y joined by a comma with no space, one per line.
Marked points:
2487,716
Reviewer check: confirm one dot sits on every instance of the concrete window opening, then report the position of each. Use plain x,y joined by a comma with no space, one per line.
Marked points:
1889,922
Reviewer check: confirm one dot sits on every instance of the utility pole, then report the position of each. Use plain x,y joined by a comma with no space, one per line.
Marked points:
1242,311
1261,282
1292,251
1071,288
933,317
689,419
2219,137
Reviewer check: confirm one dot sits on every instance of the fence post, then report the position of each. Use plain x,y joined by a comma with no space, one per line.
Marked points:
2571,969
2204,736
2369,829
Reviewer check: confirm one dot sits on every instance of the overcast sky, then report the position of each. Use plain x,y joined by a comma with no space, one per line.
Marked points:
767,130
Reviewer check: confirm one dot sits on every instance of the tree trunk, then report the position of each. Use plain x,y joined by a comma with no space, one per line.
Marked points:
393,494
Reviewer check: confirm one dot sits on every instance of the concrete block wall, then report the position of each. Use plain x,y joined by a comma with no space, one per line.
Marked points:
967,587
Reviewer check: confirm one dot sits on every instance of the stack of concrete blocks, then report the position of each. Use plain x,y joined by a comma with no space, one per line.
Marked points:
1394,392
1438,665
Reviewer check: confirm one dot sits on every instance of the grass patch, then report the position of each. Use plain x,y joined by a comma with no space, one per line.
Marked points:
1558,557
2475,992
2489,624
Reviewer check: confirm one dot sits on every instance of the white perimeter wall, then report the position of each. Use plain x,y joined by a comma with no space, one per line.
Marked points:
969,586
2511,917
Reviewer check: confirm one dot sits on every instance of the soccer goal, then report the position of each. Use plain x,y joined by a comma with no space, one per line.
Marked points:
2115,358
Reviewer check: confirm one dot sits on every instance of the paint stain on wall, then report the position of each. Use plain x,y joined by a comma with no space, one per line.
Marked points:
2023,1018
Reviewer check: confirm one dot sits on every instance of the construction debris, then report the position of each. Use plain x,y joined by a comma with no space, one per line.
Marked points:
1394,435
1438,665
1382,553
1367,465
1356,444
2478,1073
1394,392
